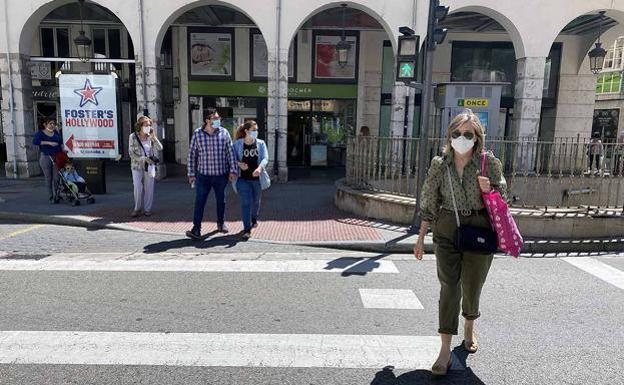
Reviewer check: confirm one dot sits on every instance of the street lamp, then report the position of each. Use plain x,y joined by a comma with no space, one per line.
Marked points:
82,42
342,48
597,55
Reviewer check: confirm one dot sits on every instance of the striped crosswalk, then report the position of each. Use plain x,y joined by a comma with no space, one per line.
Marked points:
256,350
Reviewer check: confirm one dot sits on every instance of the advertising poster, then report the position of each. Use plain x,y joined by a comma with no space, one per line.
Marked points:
211,54
326,58
89,115
260,64
606,123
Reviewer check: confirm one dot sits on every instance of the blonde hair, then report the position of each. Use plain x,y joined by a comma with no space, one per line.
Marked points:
466,117
140,122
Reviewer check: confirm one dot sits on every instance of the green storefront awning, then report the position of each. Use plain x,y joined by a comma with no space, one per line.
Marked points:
259,90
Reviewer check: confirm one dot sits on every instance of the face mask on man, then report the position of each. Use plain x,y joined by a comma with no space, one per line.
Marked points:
216,123
146,129
462,145
253,134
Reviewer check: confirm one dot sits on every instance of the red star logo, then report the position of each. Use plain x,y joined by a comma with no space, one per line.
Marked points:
88,93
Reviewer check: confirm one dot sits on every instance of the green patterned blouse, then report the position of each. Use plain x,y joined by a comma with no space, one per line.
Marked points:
436,192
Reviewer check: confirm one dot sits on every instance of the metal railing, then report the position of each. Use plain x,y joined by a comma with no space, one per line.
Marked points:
538,173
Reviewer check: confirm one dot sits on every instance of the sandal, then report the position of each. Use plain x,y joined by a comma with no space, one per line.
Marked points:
440,371
470,348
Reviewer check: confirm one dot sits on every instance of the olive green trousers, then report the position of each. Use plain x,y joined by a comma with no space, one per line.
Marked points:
461,274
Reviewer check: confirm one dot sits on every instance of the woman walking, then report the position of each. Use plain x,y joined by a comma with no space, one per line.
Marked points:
252,157
50,143
461,273
143,145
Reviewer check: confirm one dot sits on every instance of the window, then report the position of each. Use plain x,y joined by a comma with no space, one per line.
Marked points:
484,62
107,42
55,42
614,61
609,83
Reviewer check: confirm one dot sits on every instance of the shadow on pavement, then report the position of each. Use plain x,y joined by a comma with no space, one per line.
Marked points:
227,241
355,266
458,374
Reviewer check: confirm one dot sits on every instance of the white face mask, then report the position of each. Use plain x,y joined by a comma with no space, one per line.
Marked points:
462,145
146,129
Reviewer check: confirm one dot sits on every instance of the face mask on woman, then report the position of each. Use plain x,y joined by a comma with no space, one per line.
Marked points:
462,145
146,129
253,134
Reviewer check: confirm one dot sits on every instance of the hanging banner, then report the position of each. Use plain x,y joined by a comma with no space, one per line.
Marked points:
89,115
211,54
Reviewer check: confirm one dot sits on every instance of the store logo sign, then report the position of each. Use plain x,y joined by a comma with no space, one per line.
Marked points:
473,103
88,94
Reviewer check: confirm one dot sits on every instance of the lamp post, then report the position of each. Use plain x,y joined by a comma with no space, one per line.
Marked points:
597,55
82,42
342,48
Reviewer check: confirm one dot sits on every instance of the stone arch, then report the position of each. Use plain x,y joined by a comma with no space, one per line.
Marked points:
178,10
289,34
32,21
588,43
513,31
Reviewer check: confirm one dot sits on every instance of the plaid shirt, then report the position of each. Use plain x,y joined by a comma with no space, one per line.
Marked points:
211,154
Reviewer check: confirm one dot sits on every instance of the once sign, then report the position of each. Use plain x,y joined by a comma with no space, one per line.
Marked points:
89,115
473,102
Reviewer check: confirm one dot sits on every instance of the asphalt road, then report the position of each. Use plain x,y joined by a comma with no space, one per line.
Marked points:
544,321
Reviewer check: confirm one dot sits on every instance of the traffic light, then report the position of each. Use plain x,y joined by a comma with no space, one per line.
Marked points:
437,13
407,59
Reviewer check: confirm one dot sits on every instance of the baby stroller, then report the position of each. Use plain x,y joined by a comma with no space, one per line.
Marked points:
71,187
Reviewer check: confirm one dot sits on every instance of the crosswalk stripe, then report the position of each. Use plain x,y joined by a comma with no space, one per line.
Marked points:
355,266
598,269
217,350
390,299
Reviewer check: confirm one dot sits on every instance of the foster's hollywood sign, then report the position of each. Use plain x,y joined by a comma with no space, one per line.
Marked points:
89,115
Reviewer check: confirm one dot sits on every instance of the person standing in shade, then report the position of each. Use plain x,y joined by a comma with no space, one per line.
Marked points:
210,161
142,146
252,158
462,274
595,151
50,143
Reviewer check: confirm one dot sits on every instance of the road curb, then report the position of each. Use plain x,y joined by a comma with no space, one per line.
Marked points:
532,247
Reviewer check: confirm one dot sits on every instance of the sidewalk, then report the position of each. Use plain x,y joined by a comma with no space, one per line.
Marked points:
300,212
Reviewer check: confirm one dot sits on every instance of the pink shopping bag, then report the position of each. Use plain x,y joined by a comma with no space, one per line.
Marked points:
508,236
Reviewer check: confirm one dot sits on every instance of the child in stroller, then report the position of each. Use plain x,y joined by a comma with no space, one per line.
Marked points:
71,187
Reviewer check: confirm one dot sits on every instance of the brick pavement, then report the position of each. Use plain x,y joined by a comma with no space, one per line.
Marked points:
293,212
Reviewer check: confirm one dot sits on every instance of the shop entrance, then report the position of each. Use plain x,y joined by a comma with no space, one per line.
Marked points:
317,132
234,111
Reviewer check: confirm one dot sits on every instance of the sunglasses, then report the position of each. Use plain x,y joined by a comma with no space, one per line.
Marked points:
468,135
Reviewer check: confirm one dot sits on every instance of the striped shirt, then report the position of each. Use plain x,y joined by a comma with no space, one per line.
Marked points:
211,154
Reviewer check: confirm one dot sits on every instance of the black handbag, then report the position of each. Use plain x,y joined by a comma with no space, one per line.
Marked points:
471,238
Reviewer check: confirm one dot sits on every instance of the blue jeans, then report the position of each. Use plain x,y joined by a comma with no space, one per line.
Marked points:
203,185
249,192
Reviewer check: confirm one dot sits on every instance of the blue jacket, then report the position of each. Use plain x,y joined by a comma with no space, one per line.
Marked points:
263,153
263,160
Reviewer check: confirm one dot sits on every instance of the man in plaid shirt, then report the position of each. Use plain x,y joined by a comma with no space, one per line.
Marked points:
210,161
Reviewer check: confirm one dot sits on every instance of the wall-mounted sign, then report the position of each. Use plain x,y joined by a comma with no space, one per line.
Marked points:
210,54
89,115
41,70
45,93
257,89
260,57
326,64
606,123
469,103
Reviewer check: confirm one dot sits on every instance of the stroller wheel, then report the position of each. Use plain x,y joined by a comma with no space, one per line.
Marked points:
90,200
76,202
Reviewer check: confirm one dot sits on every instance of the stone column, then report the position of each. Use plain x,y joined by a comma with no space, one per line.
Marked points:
277,119
19,124
151,100
528,107
397,122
